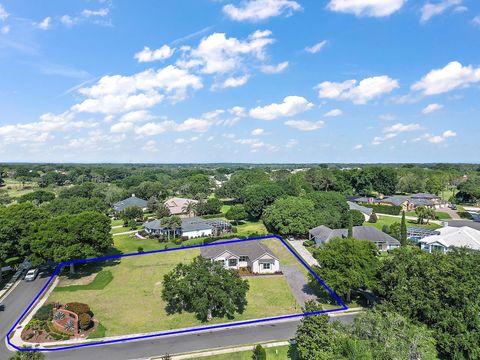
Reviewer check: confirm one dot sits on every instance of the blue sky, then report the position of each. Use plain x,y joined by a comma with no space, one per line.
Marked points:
240,81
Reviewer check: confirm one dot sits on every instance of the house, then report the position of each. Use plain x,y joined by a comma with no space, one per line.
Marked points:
452,237
460,223
258,258
367,212
193,227
407,202
178,206
130,202
384,242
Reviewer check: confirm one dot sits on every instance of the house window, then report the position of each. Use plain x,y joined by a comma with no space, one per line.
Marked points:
243,258
266,266
232,262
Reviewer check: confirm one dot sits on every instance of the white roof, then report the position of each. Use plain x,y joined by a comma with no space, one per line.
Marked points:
465,237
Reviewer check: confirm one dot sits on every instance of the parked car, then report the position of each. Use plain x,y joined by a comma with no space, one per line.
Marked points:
31,275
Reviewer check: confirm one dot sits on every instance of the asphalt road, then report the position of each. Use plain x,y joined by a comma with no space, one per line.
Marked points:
24,293
14,305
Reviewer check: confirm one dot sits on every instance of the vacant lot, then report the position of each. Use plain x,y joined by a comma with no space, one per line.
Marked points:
130,302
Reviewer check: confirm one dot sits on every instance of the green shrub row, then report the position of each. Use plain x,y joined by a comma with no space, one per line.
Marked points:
44,313
56,334
384,209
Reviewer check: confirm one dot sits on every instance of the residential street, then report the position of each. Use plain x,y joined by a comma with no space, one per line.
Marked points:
21,296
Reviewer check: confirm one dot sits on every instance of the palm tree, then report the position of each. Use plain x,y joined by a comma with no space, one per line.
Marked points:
190,208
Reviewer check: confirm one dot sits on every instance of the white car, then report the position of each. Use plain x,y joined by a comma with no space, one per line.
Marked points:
31,275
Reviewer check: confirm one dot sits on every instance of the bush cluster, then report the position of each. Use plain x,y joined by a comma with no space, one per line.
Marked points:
84,321
44,313
78,308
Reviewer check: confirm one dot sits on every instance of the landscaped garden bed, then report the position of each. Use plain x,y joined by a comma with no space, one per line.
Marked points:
56,322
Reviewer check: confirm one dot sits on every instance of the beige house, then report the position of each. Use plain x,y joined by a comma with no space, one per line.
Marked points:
179,206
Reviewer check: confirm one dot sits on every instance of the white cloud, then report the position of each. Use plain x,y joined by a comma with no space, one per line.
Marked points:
291,105
219,54
45,23
366,90
150,146
377,140
274,69
334,113
375,8
42,129
238,111
317,47
147,55
137,116
257,132
387,117
476,20
400,128
117,93
5,30
192,124
358,147
67,20
151,129
121,127
233,82
255,144
180,141
3,13
304,125
437,139
291,143
100,12
450,77
431,108
256,10
430,10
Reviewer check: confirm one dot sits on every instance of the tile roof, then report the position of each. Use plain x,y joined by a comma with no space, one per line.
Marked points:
129,202
177,205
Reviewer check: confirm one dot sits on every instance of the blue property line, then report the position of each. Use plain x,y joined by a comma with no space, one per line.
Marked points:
191,330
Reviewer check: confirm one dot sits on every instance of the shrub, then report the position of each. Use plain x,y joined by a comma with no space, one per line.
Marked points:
373,218
140,249
234,229
44,313
84,321
99,332
386,229
177,241
78,308
309,243
259,353
35,324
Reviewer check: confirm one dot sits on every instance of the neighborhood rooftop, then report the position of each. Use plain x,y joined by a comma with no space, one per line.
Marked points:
253,249
129,202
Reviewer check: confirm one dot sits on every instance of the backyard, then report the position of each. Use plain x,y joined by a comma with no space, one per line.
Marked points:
125,296
384,220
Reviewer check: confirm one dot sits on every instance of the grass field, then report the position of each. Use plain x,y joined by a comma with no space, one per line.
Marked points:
440,215
131,301
15,188
273,353
390,220
251,227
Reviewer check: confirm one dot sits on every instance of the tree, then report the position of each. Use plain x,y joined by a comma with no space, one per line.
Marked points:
5,199
171,223
162,211
373,218
347,265
331,208
424,213
435,184
315,337
438,290
190,208
357,217
290,216
211,206
257,197
235,187
131,213
205,288
350,226
403,230
75,205
70,237
259,353
27,355
236,213
392,336
39,197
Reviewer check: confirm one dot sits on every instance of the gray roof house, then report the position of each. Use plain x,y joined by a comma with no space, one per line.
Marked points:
129,202
461,223
255,256
322,234
367,212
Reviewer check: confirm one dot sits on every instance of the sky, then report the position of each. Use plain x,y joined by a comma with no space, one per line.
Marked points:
260,81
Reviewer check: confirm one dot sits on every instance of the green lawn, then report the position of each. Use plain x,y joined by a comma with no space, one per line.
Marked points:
279,352
15,188
131,301
440,215
251,227
225,208
390,220
116,222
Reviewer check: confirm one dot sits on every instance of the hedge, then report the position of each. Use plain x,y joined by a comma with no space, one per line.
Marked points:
384,209
78,308
84,321
212,216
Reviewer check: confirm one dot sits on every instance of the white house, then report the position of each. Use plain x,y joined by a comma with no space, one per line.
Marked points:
452,237
258,258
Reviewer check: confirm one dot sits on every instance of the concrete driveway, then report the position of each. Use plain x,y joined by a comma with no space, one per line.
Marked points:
304,253
298,282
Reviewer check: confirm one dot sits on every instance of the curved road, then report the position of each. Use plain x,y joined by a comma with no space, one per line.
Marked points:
15,303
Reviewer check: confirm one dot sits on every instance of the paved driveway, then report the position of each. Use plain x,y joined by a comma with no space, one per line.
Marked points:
304,253
298,282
